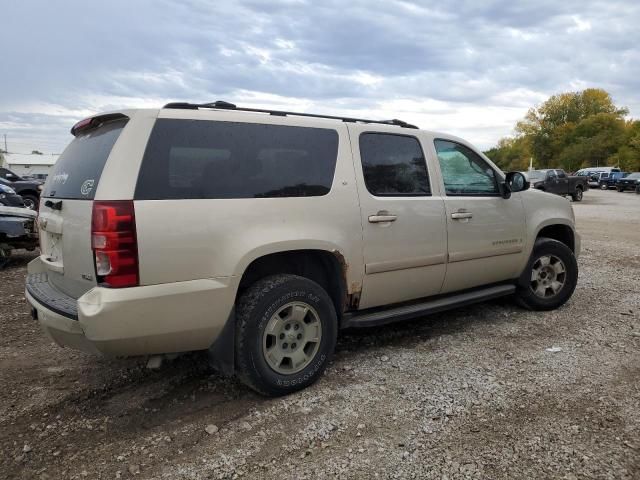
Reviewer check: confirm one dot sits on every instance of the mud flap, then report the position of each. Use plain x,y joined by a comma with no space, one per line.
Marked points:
222,353
524,279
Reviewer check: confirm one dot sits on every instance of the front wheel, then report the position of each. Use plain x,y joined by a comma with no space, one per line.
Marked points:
550,277
30,202
603,186
286,332
620,189
577,195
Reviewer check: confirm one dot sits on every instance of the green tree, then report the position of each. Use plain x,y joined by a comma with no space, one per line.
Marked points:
511,153
572,130
628,155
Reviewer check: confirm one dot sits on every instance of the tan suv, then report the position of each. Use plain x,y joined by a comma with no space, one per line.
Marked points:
257,235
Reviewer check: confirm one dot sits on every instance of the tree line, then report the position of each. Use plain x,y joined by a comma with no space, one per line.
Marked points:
571,131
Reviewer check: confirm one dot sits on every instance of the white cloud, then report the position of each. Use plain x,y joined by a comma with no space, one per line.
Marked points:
580,25
470,68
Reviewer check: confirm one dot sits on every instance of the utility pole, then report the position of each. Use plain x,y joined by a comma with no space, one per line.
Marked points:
5,150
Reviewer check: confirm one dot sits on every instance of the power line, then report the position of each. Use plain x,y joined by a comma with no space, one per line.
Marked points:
43,154
36,143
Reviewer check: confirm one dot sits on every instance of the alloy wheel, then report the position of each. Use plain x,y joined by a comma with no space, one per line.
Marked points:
292,338
548,276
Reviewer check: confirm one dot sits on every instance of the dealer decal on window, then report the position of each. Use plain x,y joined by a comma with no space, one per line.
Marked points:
87,186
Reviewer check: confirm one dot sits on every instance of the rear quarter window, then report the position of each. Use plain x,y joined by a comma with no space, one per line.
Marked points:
188,159
77,172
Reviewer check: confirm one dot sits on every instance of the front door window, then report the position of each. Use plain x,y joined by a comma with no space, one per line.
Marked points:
464,172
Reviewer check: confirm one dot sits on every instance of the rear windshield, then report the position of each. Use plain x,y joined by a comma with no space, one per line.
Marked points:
77,172
188,159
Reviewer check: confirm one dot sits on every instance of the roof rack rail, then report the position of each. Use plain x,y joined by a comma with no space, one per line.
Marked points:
222,105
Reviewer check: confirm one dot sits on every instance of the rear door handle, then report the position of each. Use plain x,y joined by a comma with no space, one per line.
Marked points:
459,215
382,217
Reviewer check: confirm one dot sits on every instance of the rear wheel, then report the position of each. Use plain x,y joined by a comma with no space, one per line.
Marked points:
550,277
603,186
285,334
577,195
620,189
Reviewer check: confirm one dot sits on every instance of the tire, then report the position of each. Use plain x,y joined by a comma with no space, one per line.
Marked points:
620,189
269,304
603,186
577,195
533,293
30,202
5,255
638,189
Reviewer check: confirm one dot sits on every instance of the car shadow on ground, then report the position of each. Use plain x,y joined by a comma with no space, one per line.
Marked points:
18,259
187,385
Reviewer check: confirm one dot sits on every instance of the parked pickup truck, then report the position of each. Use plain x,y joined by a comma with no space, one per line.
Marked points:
29,190
612,179
558,182
630,182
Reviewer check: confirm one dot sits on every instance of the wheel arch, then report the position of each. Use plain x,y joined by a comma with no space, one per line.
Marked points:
323,263
328,268
28,191
560,232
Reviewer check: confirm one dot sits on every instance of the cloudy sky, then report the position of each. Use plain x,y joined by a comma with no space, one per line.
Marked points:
471,68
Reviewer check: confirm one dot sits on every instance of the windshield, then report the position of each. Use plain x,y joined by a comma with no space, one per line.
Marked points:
9,175
6,189
634,175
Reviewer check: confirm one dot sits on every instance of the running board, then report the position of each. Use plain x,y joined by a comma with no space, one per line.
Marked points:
383,317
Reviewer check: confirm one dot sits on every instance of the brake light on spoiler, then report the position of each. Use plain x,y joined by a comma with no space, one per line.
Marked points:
94,122
114,243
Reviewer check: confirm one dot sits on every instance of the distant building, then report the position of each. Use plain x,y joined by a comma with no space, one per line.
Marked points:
30,165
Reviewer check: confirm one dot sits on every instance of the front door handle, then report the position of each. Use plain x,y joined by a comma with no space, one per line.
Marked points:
459,215
382,217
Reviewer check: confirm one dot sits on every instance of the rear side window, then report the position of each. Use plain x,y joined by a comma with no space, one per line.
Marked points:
77,172
188,159
393,165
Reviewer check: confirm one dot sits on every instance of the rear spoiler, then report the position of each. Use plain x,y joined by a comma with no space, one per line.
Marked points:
94,122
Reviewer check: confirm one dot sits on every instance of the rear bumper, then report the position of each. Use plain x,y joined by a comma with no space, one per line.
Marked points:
153,319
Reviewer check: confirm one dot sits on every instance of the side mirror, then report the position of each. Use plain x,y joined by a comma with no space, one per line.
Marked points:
517,182
505,191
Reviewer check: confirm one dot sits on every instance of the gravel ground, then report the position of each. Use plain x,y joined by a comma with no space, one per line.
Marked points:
489,391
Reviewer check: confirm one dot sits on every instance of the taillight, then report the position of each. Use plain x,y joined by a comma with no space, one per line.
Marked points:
114,243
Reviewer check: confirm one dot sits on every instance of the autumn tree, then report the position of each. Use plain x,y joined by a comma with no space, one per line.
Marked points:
572,130
511,153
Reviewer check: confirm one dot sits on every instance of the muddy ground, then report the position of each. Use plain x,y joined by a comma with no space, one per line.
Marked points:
472,393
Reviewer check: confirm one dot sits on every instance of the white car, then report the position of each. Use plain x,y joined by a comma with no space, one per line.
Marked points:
257,235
